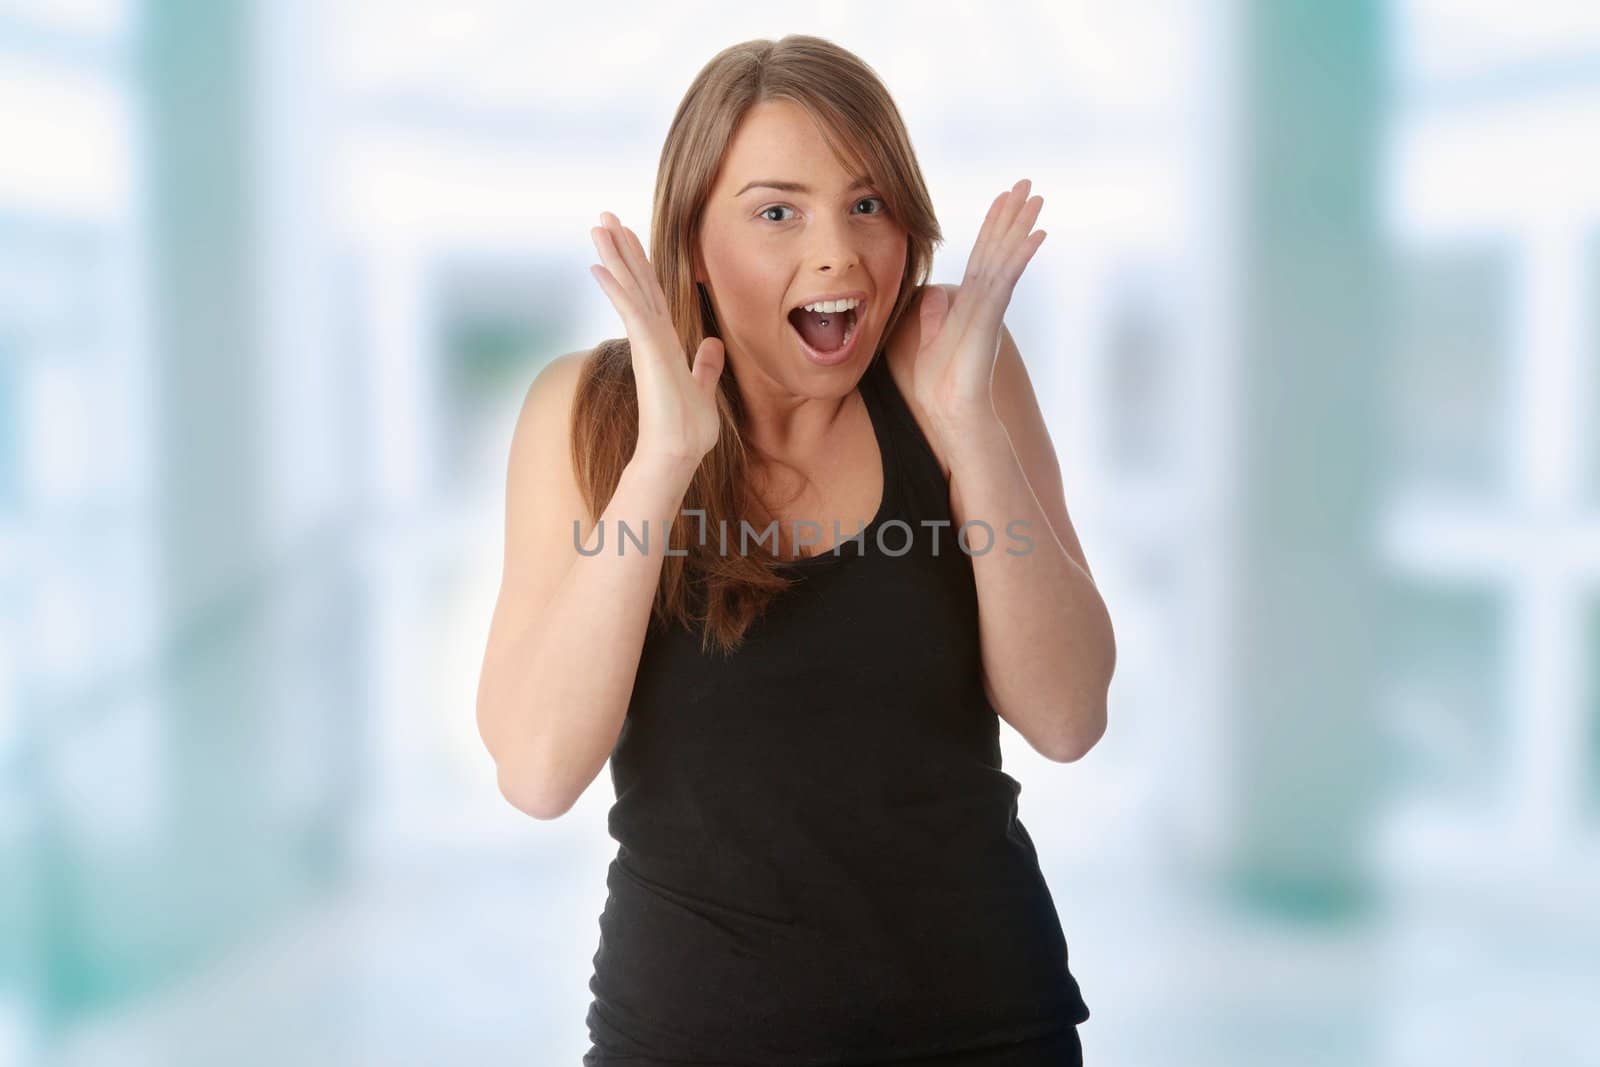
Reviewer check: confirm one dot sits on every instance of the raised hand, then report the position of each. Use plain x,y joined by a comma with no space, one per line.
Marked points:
678,421
960,339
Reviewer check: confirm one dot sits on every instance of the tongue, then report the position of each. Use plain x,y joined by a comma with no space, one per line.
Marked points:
827,338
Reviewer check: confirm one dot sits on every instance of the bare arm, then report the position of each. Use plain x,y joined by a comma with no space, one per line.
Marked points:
568,629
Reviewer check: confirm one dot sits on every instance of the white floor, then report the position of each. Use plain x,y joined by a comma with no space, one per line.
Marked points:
482,957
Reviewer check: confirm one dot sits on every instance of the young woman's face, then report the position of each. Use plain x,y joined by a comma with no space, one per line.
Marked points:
765,252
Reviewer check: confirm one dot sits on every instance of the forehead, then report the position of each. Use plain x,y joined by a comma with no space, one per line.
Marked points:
780,139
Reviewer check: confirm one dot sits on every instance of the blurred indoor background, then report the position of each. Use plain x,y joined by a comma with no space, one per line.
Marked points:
1316,331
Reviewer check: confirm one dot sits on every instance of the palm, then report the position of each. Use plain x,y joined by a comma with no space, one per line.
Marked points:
678,417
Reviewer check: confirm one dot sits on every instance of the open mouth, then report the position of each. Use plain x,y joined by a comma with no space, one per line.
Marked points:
825,332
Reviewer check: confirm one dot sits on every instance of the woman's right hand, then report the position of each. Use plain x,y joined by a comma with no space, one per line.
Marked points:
678,422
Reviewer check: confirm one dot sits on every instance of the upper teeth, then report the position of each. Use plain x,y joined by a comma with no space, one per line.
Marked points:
833,307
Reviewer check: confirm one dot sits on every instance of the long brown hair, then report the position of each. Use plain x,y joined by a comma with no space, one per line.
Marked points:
725,593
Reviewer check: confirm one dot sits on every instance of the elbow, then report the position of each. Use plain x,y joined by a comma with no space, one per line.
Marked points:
527,786
531,796
1087,730
521,785
1088,726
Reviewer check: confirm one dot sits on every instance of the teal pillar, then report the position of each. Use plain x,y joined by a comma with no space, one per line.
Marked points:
1301,687
253,667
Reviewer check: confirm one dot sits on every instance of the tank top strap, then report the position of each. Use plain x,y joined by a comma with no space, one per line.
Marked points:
923,492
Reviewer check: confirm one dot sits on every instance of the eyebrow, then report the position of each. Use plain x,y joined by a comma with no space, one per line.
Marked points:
796,187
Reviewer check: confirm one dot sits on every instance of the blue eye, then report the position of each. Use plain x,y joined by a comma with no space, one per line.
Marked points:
882,208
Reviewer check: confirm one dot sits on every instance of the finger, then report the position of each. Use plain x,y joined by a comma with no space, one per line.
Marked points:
629,275
1004,214
978,258
1012,254
979,266
708,363
1022,254
605,243
1004,264
933,315
1020,228
614,292
989,311
1015,202
647,274
633,255
990,249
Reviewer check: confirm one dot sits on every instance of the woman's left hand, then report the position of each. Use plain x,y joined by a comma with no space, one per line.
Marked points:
960,339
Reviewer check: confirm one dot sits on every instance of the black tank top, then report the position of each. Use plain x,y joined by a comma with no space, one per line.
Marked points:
820,859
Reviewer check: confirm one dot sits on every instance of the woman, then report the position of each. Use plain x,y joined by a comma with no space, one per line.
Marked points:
820,858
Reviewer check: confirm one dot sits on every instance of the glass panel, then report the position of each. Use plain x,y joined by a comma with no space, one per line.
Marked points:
1140,372
498,324
1443,676
1449,376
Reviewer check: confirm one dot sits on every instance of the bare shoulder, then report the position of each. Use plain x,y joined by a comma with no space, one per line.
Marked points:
544,422
541,484
551,393
561,375
901,352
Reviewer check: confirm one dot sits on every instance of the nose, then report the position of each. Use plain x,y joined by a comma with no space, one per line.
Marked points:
833,247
